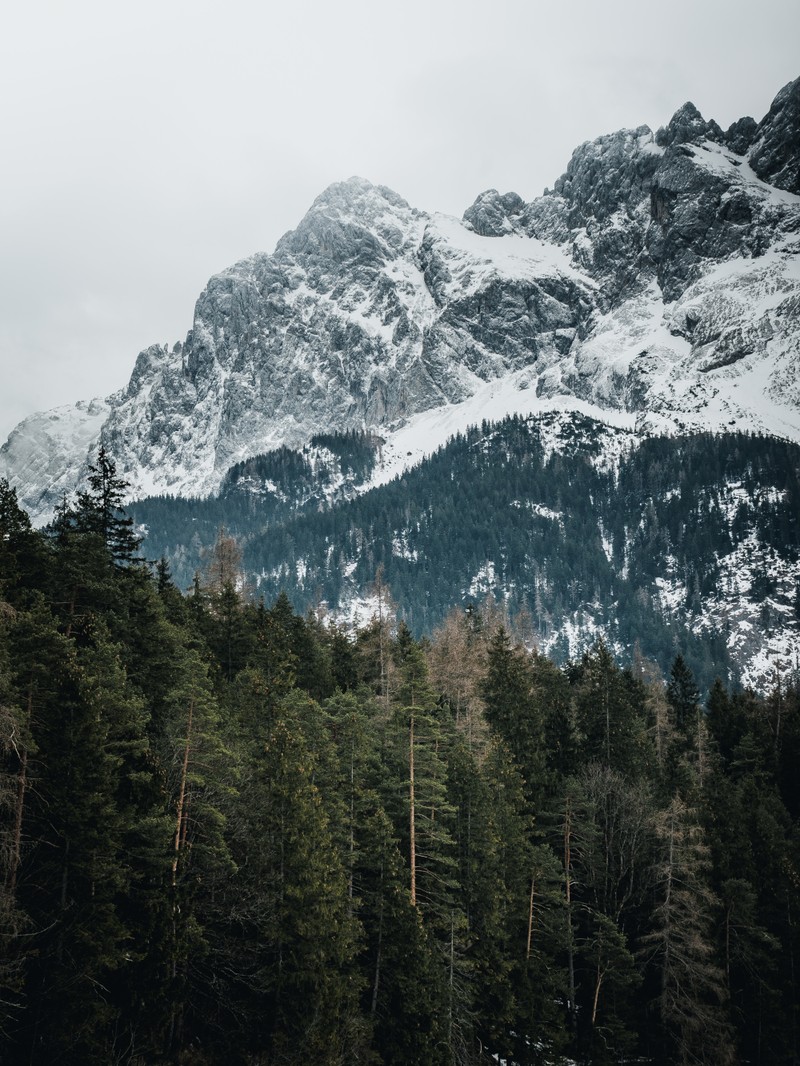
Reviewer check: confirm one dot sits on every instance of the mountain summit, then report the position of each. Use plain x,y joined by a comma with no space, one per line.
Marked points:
657,284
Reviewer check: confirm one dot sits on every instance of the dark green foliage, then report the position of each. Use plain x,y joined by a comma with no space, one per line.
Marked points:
513,711
23,554
497,512
609,704
99,510
683,695
297,941
207,852
355,451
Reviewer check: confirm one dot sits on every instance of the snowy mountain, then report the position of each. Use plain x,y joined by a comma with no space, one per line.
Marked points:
657,286
653,294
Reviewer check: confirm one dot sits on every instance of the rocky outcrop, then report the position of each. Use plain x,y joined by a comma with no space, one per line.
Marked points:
494,214
775,154
687,126
740,135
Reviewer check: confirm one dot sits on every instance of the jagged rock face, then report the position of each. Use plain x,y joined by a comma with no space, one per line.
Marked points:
687,126
703,208
46,455
741,134
370,311
656,278
636,207
610,174
494,214
775,155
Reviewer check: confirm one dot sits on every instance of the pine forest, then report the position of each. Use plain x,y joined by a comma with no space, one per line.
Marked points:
235,832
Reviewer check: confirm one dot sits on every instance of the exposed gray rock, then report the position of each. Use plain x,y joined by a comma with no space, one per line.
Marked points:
704,209
740,135
494,214
607,175
775,155
687,126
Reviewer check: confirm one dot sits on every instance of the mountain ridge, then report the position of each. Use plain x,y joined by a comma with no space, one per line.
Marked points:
658,280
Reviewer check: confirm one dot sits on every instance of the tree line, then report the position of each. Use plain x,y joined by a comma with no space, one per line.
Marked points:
233,833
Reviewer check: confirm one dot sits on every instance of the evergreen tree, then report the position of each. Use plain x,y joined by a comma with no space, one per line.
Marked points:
513,712
99,510
690,1003
15,748
423,743
77,874
609,705
297,942
200,775
683,697
611,976
23,556
611,851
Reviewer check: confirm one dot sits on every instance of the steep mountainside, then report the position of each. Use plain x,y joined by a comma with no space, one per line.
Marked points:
658,282
684,543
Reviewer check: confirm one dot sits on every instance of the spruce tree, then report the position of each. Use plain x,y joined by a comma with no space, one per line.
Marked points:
77,874
683,696
513,712
609,705
15,750
297,941
200,776
23,553
690,1003
99,509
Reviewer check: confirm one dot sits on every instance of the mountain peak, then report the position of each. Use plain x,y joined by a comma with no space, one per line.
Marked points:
348,214
493,213
358,194
687,126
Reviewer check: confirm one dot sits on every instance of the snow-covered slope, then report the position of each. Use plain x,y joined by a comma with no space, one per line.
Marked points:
658,284
45,455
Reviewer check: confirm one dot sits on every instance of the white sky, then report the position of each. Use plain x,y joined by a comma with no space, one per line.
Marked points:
145,147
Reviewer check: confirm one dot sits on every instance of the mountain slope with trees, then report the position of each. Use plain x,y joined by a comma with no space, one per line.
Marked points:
232,833
684,544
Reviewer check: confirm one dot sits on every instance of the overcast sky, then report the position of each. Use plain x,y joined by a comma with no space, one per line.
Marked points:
145,147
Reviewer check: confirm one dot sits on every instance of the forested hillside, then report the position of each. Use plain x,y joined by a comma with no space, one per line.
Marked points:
682,545
235,834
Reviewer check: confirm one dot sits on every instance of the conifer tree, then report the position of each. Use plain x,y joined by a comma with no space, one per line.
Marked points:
430,847
15,745
200,782
514,713
423,746
99,510
511,899
611,977
683,695
690,1004
612,852
23,554
609,703
88,729
298,942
